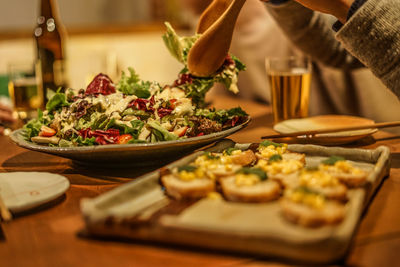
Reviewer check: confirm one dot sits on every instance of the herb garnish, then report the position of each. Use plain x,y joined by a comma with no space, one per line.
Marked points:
257,171
332,160
267,143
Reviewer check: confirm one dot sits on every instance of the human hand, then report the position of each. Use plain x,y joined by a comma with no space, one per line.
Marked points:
6,117
337,8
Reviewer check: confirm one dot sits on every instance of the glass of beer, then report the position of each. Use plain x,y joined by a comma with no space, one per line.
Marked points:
25,89
290,80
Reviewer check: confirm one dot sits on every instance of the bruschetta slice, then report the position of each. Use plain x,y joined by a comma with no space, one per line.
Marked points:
250,185
284,171
306,207
344,171
217,165
187,182
324,184
267,149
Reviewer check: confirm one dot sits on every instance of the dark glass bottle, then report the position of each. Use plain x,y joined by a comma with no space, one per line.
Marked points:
49,35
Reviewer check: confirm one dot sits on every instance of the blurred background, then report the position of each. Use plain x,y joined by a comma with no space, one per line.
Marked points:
101,35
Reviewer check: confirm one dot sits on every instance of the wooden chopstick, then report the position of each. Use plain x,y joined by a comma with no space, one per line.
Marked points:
4,212
334,130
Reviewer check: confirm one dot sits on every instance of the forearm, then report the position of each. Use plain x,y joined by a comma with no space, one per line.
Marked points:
312,33
372,35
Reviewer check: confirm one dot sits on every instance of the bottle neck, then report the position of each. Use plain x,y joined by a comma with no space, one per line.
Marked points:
48,8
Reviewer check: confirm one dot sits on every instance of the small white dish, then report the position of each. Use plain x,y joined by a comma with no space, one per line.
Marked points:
22,191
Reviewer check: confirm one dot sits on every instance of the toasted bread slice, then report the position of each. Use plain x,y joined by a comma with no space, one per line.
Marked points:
346,173
323,183
293,155
337,192
351,180
193,189
302,214
286,180
222,170
263,191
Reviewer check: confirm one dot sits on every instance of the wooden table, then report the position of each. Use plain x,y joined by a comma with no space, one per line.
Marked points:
49,236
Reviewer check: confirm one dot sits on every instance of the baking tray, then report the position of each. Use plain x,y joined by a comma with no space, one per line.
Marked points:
140,210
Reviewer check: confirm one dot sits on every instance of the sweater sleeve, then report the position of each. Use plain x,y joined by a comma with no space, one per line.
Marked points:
312,33
372,34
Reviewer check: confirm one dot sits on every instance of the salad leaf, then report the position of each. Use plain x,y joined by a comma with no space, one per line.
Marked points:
161,134
221,115
32,128
132,85
58,101
178,46
238,64
85,142
136,112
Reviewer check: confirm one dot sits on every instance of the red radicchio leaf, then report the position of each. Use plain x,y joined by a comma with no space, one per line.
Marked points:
101,84
183,78
141,104
164,112
109,136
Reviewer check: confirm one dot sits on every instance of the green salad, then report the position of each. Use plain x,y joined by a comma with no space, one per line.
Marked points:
137,111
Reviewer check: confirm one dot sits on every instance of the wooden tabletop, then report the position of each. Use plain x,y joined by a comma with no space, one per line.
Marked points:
52,234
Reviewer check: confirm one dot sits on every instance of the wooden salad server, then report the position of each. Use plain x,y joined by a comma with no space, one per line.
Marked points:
211,14
209,52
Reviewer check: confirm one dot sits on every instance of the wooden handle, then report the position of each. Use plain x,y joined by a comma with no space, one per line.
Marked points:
334,130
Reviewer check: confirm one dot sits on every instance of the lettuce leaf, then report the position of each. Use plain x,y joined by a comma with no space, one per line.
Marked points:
58,101
132,85
32,128
159,133
178,46
221,115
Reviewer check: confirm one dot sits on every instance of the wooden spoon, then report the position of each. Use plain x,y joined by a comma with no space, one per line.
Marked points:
209,52
211,14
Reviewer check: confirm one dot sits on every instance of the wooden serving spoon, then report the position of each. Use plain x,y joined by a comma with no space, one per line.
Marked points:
211,14
209,52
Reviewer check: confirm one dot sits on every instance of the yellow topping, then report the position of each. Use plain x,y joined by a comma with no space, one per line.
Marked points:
246,179
341,166
283,166
269,151
214,195
317,178
189,176
315,201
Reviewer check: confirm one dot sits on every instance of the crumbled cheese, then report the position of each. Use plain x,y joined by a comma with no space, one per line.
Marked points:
341,166
189,176
317,178
316,201
269,151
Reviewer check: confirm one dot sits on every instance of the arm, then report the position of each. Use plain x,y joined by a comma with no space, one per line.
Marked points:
372,35
312,33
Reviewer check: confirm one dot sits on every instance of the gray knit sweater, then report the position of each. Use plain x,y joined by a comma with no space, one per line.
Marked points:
372,36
